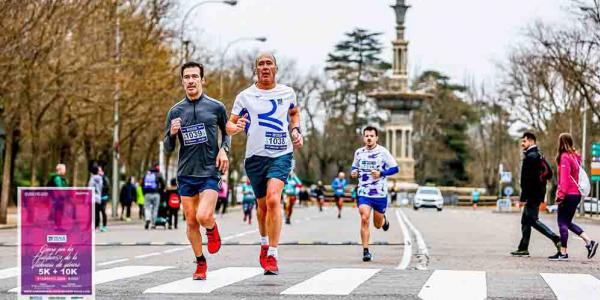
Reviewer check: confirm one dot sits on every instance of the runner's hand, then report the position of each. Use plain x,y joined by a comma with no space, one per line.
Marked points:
376,174
222,161
354,173
241,123
297,139
175,126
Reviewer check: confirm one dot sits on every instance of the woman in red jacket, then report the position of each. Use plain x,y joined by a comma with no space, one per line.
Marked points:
568,196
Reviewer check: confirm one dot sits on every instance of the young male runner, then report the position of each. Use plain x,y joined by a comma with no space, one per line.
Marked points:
271,110
339,187
372,164
194,122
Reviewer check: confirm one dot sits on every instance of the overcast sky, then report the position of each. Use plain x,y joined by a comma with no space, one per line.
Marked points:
462,38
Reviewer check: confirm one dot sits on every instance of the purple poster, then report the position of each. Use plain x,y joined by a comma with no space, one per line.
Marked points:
56,250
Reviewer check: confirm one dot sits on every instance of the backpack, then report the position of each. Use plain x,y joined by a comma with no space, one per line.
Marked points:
174,200
150,182
546,170
583,182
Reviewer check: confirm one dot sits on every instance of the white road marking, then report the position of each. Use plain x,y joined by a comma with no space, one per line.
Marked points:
422,252
8,273
464,285
118,273
332,282
148,255
175,249
573,286
405,262
215,279
112,262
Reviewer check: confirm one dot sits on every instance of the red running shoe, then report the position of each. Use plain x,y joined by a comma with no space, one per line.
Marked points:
271,267
262,258
214,240
200,273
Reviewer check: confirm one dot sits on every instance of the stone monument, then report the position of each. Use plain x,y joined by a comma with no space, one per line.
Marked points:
401,102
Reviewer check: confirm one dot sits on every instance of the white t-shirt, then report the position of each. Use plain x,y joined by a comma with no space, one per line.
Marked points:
365,161
268,134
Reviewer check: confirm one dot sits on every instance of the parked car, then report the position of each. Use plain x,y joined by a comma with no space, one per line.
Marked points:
590,205
428,196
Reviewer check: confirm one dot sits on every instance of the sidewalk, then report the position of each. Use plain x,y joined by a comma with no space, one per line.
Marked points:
12,215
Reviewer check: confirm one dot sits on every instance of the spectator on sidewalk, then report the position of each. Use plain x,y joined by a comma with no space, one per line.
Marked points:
127,196
58,178
96,183
140,199
222,197
153,186
173,203
57,208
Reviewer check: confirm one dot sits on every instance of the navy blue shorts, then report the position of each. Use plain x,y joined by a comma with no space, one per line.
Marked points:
190,186
378,204
261,168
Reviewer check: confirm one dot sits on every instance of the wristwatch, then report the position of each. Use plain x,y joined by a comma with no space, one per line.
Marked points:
226,148
297,128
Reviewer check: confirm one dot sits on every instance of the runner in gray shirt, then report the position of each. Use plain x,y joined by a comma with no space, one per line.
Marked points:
194,122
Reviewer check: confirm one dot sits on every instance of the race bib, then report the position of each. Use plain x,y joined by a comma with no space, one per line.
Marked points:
275,141
367,165
194,134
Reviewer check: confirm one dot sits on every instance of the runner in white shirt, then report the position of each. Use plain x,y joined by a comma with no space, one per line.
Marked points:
269,114
372,164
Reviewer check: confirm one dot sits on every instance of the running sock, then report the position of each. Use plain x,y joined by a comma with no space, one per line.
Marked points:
200,258
264,240
272,252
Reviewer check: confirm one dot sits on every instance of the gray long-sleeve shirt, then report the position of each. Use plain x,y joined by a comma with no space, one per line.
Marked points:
197,137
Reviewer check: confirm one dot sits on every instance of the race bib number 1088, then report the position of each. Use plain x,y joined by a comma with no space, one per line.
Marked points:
275,140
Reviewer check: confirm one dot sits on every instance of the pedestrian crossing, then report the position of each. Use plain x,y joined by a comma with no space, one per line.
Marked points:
439,284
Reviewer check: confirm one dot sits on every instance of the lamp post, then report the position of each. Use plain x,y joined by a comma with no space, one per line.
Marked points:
189,11
261,39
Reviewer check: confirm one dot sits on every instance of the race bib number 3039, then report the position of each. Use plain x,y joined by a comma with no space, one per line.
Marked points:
275,140
194,134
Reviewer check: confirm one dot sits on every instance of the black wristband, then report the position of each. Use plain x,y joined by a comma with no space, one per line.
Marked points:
297,128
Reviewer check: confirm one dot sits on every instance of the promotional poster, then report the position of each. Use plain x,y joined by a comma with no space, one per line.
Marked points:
56,243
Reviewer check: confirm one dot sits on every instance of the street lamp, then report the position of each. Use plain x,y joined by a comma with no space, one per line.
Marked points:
261,39
228,2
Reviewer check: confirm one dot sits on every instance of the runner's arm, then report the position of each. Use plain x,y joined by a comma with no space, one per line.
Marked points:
225,137
168,140
231,127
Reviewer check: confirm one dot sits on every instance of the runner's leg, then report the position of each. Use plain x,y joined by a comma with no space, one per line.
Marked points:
190,206
273,205
365,213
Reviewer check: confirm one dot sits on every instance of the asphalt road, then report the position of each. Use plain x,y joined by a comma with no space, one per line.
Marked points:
453,254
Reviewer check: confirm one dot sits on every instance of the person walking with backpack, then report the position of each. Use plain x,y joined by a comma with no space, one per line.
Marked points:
571,188
153,186
535,172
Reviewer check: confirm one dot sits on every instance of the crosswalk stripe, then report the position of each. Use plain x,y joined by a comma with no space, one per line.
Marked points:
215,279
10,272
332,282
118,273
445,284
573,286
